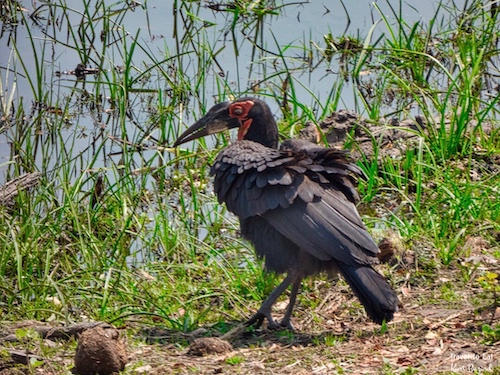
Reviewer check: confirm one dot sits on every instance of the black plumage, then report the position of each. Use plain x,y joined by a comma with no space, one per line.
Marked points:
296,205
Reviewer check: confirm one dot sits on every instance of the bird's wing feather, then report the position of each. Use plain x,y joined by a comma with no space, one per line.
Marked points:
325,226
307,194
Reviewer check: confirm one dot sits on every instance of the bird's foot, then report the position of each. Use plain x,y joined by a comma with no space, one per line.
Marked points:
286,324
258,318
280,326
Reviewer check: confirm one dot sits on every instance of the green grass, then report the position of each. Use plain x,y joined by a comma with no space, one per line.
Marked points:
154,243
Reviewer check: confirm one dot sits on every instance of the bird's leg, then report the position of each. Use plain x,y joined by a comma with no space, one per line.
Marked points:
286,321
265,309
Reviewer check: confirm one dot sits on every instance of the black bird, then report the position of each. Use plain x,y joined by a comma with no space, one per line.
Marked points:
296,205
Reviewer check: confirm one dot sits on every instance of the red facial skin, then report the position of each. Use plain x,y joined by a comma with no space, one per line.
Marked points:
240,111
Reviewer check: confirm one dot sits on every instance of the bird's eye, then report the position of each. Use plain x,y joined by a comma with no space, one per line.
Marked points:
241,109
237,110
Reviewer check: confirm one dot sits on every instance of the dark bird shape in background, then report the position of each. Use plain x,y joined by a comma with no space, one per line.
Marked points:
296,205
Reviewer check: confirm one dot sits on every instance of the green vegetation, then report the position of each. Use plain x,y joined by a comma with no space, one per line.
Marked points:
122,227
236,360
490,335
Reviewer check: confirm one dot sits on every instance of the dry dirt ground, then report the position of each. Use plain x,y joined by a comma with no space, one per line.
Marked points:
333,338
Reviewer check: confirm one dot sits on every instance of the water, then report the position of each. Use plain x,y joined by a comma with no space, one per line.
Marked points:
53,48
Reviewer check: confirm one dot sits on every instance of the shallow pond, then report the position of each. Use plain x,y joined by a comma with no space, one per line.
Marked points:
149,69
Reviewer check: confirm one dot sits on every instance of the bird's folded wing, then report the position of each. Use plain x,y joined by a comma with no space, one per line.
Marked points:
308,198
327,228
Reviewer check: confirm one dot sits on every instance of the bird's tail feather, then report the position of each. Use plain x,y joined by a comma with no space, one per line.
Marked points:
374,292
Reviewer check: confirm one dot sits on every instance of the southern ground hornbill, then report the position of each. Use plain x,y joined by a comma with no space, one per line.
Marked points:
296,205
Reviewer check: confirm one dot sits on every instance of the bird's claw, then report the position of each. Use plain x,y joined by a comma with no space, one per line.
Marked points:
287,325
258,318
280,326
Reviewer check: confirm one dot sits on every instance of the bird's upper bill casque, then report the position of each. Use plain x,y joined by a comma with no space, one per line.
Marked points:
218,119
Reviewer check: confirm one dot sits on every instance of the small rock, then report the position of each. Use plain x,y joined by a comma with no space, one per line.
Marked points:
209,345
99,351
387,250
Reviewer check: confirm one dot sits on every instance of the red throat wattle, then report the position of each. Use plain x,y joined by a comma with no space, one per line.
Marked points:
240,111
242,131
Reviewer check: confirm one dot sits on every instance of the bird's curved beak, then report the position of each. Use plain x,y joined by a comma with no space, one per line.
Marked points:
215,121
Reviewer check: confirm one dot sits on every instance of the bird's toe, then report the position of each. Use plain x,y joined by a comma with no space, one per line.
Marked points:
256,320
274,325
287,323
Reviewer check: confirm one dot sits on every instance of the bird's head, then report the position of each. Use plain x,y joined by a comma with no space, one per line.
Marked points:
252,116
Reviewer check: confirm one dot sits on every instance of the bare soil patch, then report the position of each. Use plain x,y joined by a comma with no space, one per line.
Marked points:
428,336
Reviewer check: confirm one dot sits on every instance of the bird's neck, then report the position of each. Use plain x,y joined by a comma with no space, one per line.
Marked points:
263,132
